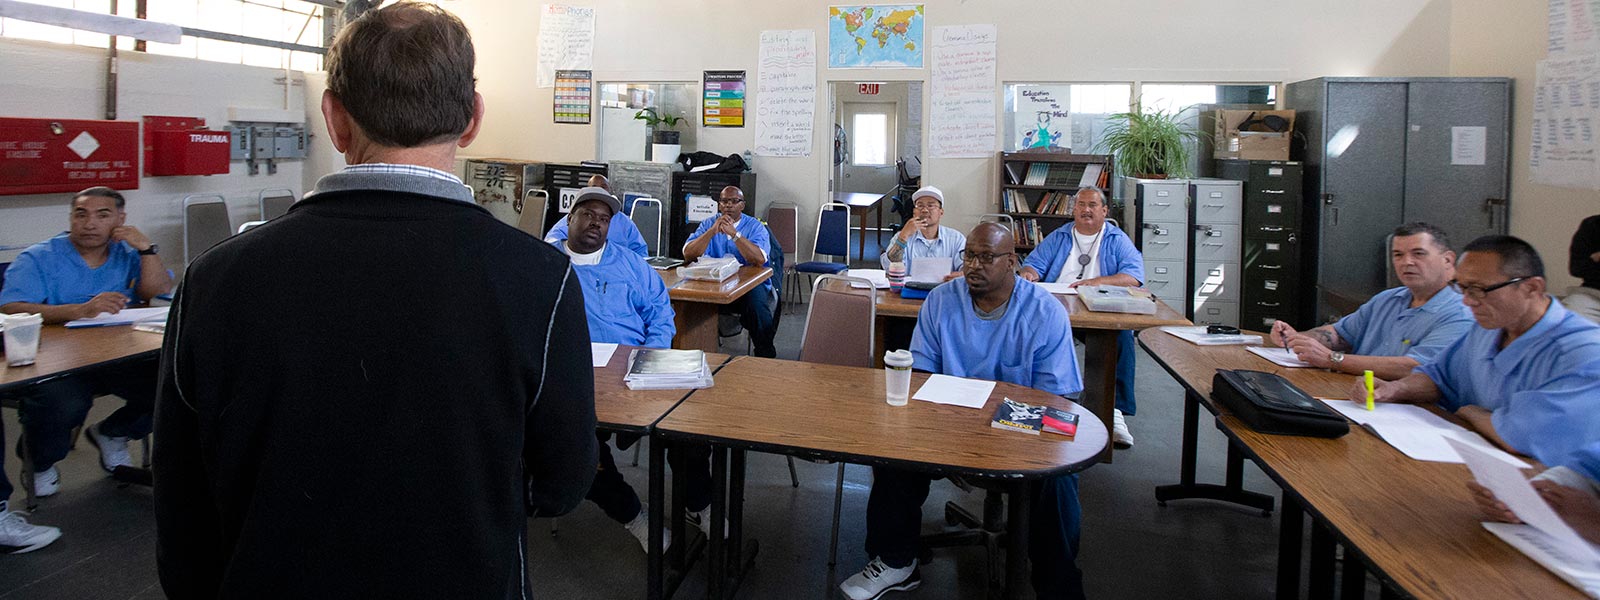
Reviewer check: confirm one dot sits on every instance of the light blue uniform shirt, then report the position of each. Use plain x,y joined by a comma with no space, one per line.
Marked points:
52,272
623,234
1031,345
949,245
625,301
1387,325
749,228
1116,254
1586,461
1543,389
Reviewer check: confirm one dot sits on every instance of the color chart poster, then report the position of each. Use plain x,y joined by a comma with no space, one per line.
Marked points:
573,91
722,104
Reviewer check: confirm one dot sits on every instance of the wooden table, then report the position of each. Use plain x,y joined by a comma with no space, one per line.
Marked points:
1099,331
838,413
1413,523
860,204
63,350
695,304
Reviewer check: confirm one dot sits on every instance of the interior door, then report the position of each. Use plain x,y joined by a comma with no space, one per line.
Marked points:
1456,165
1363,187
871,128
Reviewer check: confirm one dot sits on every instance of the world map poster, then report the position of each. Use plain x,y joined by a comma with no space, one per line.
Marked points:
875,36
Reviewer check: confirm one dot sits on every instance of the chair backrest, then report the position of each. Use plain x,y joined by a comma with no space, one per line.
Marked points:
205,223
275,202
646,215
248,225
776,258
534,204
839,323
833,231
1003,218
784,219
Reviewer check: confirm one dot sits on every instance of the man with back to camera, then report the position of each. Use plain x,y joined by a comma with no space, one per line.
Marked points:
1528,376
623,233
335,378
100,265
984,325
1399,328
1090,251
733,233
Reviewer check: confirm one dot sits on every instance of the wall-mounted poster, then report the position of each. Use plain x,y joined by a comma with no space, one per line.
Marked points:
875,36
1041,118
573,92
722,100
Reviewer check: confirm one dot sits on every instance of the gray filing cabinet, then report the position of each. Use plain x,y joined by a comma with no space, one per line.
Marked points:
1215,208
1163,238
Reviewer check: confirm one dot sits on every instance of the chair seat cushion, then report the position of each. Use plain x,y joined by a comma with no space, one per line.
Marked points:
821,267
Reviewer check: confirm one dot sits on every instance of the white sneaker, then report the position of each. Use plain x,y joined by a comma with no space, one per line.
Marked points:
18,536
702,519
113,450
47,482
878,579
1120,437
640,528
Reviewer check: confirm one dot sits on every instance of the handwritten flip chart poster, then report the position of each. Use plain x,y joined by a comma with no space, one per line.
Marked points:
1573,25
961,114
786,93
566,41
1566,110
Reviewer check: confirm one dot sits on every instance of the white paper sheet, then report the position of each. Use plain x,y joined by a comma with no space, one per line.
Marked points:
1418,433
1197,335
956,391
1563,147
878,278
126,317
786,92
1468,145
1279,356
928,271
601,353
961,110
1512,487
566,41
1059,287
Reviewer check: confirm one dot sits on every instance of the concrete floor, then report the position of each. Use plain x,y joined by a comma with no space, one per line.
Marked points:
1131,547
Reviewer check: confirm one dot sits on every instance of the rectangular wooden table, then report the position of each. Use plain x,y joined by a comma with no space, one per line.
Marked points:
63,350
860,204
1413,523
1099,331
839,413
695,304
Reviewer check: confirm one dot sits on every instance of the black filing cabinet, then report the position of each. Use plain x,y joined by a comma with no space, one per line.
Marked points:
1274,251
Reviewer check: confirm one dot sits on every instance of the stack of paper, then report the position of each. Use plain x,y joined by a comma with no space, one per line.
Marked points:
667,370
877,277
928,271
1542,535
1418,433
125,317
1198,336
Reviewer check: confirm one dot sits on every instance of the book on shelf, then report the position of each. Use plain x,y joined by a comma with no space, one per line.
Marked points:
1037,173
1091,175
1065,174
1013,173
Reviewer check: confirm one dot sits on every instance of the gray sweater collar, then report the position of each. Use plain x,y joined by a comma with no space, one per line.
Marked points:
393,182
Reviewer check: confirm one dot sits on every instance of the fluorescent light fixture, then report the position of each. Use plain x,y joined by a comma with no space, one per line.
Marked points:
83,20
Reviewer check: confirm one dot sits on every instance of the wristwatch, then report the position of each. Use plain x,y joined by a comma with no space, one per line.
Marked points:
1336,357
151,251
735,237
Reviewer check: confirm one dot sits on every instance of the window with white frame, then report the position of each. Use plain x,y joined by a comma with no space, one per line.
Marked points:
293,21
873,137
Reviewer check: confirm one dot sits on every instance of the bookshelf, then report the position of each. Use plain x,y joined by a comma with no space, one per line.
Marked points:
1036,188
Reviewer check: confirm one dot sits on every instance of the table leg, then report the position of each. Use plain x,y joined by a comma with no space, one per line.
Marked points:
1291,521
742,553
1018,510
1320,577
1186,487
655,584
1100,377
862,245
1353,578
717,568
697,326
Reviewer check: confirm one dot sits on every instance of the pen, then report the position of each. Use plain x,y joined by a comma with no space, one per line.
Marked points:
1367,375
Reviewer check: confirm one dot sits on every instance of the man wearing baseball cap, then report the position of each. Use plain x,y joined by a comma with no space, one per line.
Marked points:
623,232
923,236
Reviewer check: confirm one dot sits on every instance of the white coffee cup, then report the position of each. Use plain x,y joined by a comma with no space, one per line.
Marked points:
897,377
22,338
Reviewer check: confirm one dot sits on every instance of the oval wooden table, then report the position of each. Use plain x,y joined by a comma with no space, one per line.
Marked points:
839,414
1413,523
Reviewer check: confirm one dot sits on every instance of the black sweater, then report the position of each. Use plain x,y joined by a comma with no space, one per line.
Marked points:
367,398
1585,243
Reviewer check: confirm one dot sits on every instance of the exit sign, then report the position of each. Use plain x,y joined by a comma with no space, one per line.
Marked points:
867,89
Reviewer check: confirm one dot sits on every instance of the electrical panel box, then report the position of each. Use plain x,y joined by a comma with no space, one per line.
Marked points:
183,146
244,140
265,143
290,143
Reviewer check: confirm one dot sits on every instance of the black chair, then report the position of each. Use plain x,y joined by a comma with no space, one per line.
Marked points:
987,530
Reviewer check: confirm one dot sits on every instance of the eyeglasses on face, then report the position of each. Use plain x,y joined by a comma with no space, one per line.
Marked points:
926,205
983,258
729,201
1478,292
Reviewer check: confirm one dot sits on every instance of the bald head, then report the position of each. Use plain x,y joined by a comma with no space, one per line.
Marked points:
600,181
994,235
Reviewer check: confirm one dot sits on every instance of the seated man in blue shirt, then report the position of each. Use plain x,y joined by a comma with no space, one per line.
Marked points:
100,265
923,236
623,232
1091,251
1399,328
986,325
1528,376
733,233
626,303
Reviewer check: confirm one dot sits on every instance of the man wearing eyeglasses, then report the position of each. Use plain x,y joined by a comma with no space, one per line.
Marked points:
1399,328
1528,376
987,324
923,236
733,233
1090,251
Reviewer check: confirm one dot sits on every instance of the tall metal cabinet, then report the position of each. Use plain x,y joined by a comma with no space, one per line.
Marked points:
1274,287
1163,238
1215,209
1380,152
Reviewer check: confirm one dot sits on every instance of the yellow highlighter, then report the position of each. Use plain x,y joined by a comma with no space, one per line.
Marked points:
1367,376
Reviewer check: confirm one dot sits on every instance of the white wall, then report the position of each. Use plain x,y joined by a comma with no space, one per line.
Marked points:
44,80
1040,40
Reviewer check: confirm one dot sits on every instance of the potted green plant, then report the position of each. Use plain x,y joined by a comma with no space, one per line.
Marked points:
1148,144
664,146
